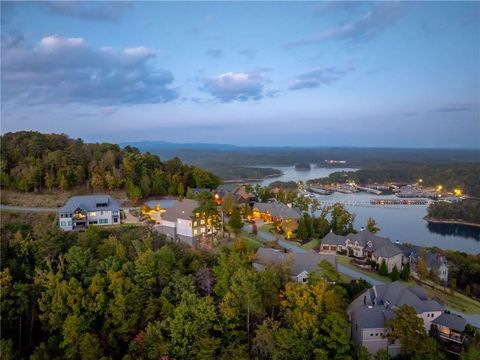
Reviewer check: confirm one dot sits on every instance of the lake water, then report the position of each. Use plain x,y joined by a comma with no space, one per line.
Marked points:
290,174
404,223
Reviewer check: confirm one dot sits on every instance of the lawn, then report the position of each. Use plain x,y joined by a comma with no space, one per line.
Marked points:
253,242
345,261
311,244
265,227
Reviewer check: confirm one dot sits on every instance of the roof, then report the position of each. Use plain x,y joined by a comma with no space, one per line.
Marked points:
396,294
223,189
386,250
181,210
278,210
333,239
364,236
433,259
452,321
298,262
371,317
89,203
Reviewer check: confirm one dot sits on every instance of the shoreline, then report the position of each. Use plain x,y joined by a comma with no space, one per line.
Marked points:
450,222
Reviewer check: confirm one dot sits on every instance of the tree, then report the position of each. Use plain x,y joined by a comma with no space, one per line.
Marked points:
394,275
329,272
383,270
372,225
422,269
302,231
363,354
180,190
342,220
405,273
235,221
382,355
407,327
205,280
335,338
228,203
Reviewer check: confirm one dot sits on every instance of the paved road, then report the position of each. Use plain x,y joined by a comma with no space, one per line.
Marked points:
27,209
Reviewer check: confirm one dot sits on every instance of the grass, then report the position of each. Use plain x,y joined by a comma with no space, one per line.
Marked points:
253,242
456,301
46,199
345,261
265,227
311,244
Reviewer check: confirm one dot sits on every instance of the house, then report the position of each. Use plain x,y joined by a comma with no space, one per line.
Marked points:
370,311
299,265
284,216
82,211
365,245
239,193
449,329
183,222
436,262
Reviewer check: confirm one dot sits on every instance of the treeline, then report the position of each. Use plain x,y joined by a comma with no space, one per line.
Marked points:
31,161
464,272
467,211
130,294
451,176
232,172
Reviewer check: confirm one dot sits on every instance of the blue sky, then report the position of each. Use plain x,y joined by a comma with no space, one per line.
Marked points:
402,74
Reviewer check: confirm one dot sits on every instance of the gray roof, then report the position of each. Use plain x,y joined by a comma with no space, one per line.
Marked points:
181,210
452,321
90,202
371,317
386,249
433,259
396,294
333,239
379,246
297,262
278,210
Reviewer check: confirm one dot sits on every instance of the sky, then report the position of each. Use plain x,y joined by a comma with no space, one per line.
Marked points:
374,74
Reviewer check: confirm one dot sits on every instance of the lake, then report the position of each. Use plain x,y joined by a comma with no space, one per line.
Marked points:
290,174
404,223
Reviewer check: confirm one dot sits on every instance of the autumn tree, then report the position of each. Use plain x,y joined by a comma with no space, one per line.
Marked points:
372,225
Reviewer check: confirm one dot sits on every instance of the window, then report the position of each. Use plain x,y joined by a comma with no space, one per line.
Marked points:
92,213
371,334
195,232
194,223
202,229
69,223
202,221
62,223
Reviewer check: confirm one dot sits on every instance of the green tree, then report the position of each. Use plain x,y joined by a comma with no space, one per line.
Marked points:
382,355
422,269
394,275
405,273
302,231
228,203
372,225
383,270
363,354
235,221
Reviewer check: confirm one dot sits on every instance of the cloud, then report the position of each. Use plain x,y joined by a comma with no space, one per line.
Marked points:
68,70
457,107
214,53
361,28
317,77
241,86
88,10
248,53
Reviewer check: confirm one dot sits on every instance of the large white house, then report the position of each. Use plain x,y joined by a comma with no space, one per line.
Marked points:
370,311
183,222
81,212
365,244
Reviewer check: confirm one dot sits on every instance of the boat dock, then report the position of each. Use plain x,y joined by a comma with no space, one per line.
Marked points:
399,201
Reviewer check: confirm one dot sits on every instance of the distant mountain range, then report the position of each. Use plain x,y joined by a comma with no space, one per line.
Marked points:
158,145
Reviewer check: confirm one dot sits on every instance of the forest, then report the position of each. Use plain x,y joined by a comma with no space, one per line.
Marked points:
35,162
128,293
467,210
450,175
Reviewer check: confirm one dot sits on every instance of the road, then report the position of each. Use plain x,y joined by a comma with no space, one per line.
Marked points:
27,209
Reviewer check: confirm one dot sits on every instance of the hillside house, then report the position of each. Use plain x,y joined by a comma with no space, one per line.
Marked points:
80,212
299,265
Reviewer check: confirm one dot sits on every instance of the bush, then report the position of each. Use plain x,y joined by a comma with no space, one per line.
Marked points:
394,275
383,270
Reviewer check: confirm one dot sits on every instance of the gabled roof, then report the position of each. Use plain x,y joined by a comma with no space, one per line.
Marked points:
333,239
89,203
371,317
386,250
278,210
452,321
181,210
364,236
396,294
298,262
